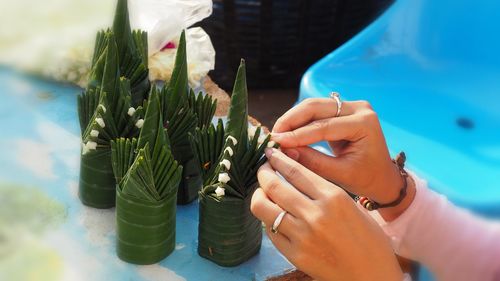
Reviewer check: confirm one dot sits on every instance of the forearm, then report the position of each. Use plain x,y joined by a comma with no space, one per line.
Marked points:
451,242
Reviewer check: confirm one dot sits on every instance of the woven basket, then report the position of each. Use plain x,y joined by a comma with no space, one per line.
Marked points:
281,38
228,233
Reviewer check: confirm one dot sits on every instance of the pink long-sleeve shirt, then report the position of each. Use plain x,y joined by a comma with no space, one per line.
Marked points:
451,242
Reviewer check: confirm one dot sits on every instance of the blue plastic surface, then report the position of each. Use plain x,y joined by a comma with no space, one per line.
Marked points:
39,158
431,70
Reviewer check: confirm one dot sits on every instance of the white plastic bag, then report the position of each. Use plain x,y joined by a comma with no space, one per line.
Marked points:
165,19
200,58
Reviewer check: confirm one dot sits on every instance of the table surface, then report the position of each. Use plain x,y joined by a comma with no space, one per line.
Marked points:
44,229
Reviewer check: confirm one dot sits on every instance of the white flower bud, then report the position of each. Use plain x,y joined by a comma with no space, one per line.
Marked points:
85,149
91,145
94,133
226,163
229,150
271,144
224,177
131,111
220,191
233,139
100,121
139,123
103,108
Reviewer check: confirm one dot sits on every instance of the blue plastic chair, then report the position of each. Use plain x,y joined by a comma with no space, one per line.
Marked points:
431,69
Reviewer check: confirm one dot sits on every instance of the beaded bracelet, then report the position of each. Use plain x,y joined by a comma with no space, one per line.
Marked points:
371,205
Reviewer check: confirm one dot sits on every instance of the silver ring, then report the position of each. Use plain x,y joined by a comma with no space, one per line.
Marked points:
336,97
277,222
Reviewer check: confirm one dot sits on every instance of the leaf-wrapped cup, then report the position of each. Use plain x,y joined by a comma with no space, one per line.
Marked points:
105,107
183,111
148,178
228,233
229,159
145,213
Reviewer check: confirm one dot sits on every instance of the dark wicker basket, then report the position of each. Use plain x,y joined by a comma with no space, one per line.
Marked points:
279,39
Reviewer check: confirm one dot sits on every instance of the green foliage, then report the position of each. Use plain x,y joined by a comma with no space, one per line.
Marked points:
213,144
106,82
237,118
132,53
110,106
207,143
145,168
204,107
183,112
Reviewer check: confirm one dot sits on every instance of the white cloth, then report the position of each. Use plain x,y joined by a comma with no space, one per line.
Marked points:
451,242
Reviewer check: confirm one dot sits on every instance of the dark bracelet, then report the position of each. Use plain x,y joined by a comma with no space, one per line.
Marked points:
371,205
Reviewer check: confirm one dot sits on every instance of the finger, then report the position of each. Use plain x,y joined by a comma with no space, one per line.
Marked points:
266,211
281,242
328,167
331,129
282,193
310,110
299,176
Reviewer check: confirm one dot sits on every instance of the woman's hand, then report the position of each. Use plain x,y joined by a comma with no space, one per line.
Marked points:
324,233
361,165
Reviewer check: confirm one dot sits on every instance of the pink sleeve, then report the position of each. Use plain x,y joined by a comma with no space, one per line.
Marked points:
451,242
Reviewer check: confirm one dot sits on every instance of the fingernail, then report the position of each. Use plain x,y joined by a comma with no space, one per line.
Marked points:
269,152
292,153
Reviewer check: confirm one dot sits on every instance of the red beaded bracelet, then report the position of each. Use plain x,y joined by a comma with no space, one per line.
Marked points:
371,205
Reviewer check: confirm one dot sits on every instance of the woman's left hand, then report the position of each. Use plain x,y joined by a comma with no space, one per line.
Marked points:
324,233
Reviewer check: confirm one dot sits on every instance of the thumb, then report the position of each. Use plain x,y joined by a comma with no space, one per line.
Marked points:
326,166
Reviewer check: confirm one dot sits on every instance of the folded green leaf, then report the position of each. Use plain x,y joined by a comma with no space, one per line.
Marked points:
177,89
228,154
237,118
139,180
132,53
203,106
228,233
145,230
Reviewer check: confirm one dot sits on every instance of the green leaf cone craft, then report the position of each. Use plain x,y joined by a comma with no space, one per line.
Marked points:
229,158
148,178
105,113
184,111
108,107
132,53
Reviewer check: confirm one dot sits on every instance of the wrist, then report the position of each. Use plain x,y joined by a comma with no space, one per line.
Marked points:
392,213
391,185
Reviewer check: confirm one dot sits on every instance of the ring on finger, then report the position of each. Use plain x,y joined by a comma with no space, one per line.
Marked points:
336,97
277,222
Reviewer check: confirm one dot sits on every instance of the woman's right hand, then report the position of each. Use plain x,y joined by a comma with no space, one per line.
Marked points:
362,164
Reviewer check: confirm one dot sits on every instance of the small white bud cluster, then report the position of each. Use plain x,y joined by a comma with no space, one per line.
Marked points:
131,111
87,147
139,123
100,122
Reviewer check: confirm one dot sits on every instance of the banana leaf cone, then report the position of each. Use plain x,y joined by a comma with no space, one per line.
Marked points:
192,180
148,178
229,159
183,112
97,183
132,53
102,110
